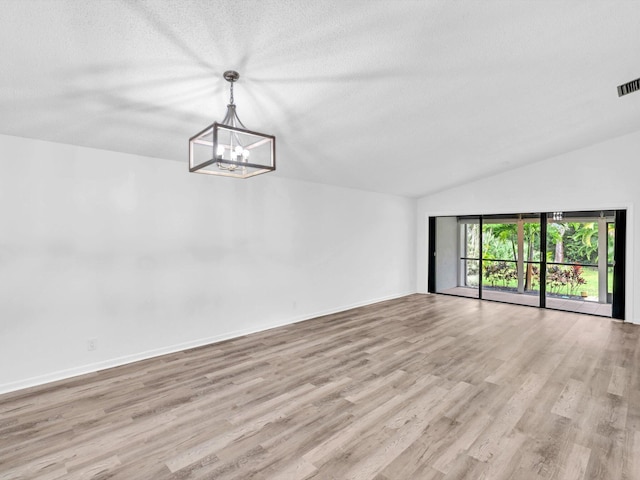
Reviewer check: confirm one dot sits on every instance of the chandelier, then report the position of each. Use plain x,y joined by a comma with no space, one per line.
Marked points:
228,148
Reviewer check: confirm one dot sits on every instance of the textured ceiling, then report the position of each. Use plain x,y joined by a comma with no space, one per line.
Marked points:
406,97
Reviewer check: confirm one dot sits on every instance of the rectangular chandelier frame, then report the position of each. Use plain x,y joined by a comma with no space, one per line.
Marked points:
217,137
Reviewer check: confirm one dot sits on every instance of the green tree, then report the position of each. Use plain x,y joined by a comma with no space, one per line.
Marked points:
508,233
555,237
582,244
532,235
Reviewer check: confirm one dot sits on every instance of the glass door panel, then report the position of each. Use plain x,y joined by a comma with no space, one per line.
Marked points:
510,258
579,265
611,236
458,255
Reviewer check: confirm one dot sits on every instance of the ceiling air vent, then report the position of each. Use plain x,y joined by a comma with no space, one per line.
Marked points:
629,87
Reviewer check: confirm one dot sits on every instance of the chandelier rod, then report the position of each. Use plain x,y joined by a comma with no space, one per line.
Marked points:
231,76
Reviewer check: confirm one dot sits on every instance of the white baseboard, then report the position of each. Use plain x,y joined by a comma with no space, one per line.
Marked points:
119,361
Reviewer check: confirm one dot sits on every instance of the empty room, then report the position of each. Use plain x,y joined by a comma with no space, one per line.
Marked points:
294,239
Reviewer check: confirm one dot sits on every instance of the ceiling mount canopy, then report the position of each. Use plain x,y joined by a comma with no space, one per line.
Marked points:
228,148
231,76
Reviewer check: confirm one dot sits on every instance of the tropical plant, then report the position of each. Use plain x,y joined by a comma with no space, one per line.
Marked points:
583,244
500,240
493,246
564,280
499,271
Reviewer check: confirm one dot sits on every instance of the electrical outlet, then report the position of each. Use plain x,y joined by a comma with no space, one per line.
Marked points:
92,344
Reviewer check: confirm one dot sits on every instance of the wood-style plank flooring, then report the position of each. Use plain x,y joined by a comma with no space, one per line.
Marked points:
422,387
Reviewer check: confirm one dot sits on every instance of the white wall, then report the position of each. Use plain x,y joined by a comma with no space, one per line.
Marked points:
447,258
147,258
602,176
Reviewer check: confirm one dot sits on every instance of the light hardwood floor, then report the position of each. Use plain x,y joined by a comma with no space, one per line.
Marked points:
423,387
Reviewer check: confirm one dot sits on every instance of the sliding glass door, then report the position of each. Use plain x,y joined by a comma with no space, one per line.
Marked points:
560,260
457,256
580,251
511,258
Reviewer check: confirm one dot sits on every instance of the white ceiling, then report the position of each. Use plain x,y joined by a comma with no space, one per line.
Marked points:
406,97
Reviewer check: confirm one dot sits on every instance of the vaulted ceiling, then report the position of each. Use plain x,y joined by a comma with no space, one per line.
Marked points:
398,96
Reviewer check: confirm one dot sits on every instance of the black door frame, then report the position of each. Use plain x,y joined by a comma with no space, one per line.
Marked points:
619,260
431,276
